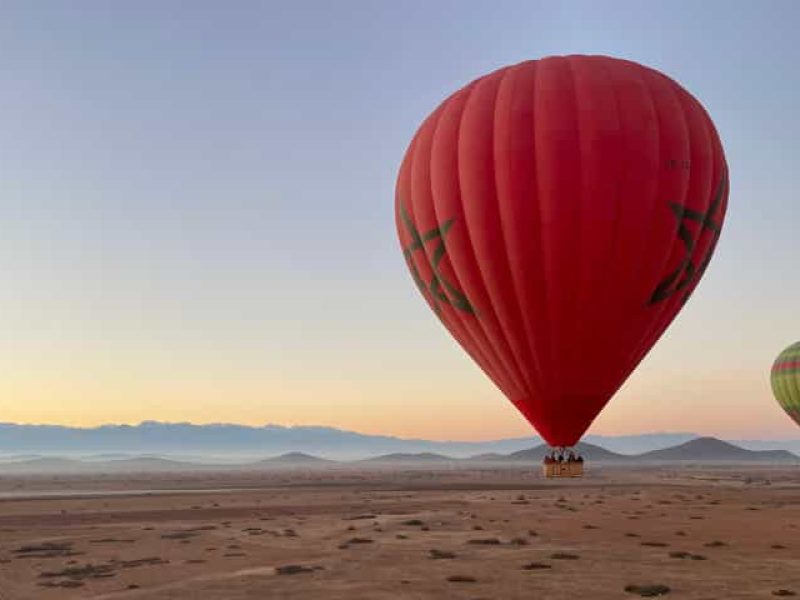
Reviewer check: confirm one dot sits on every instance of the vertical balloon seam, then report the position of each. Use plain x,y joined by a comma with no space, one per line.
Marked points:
617,220
790,390
665,308
499,347
485,341
401,210
454,322
679,296
794,398
663,312
541,351
585,333
586,283
412,155
714,186
406,170
533,393
633,271
717,189
518,342
715,198
614,282
711,188
546,287
496,308
575,278
796,404
656,199
555,248
544,349
616,275
509,314
661,306
720,196
540,347
780,386
543,81
490,319
492,368
783,391
492,364
639,348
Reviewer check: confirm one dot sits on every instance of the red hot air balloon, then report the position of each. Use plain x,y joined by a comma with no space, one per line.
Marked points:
556,215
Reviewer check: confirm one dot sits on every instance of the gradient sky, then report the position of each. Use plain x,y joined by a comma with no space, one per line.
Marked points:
197,219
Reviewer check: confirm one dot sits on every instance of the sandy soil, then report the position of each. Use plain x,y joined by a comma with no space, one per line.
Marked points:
706,534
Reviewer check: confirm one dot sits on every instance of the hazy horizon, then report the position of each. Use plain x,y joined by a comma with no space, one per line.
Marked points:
532,434
198,210
228,442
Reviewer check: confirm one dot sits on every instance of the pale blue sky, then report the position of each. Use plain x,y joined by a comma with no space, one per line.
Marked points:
197,209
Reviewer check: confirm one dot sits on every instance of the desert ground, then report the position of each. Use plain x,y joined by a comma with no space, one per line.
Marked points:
704,533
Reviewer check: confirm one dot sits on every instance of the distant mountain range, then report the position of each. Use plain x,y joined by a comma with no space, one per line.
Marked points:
698,451
226,442
296,459
711,449
405,457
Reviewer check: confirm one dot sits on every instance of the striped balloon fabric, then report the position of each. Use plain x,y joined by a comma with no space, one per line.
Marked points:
785,379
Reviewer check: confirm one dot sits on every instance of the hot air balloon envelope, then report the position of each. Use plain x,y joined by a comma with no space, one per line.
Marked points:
556,215
785,379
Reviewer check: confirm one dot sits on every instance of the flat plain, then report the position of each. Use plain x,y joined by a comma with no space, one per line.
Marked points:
686,532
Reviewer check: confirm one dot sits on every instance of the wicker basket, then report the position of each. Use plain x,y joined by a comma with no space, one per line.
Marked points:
564,469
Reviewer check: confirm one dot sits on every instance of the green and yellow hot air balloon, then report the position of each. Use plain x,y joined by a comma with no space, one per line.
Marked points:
785,378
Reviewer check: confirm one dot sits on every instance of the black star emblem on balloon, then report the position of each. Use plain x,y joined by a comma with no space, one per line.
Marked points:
439,288
687,271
